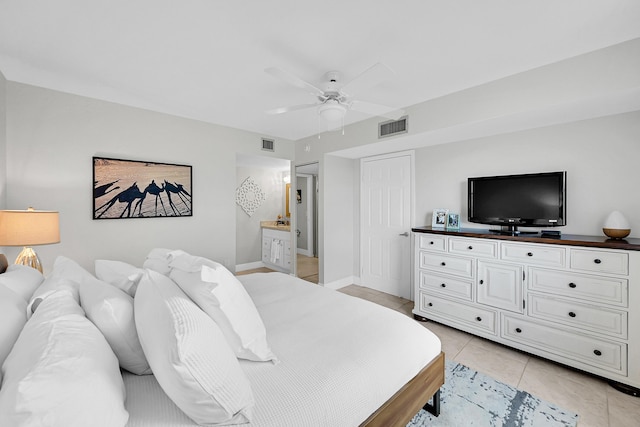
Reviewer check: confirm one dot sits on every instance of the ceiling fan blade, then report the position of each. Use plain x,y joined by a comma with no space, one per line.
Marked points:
377,110
281,110
293,80
367,79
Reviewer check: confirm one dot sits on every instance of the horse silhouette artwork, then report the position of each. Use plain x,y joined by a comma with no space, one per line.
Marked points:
126,203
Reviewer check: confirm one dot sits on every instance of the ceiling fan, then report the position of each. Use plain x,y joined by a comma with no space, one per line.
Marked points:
333,102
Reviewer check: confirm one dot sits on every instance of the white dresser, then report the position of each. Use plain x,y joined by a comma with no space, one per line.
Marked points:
574,300
276,249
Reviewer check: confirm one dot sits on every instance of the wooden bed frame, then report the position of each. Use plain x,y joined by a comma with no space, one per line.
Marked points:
413,396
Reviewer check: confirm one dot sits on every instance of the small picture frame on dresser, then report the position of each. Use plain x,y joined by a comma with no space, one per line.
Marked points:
439,219
453,221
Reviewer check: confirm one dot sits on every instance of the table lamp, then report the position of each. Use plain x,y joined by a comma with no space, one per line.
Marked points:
29,228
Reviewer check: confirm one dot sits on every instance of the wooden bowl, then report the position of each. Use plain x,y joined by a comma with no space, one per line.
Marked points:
616,233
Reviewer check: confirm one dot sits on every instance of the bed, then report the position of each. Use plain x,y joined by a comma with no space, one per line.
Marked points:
341,361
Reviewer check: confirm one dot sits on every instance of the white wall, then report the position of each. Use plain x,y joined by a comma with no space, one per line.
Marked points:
51,137
248,231
3,141
338,212
600,157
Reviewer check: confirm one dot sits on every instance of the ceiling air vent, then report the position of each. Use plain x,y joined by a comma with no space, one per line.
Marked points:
393,127
268,144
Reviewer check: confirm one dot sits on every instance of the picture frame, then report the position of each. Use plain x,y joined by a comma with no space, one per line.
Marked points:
453,221
140,189
439,219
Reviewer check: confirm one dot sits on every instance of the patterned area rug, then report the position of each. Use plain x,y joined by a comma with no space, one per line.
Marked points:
469,398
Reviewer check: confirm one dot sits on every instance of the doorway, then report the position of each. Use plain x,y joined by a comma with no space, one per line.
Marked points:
306,199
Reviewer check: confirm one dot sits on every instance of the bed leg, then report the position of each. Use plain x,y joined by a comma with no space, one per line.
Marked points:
434,406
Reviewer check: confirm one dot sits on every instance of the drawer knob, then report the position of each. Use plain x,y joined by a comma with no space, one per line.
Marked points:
430,304
444,285
572,285
597,352
572,314
481,281
431,243
443,263
518,330
529,253
597,261
479,319
470,247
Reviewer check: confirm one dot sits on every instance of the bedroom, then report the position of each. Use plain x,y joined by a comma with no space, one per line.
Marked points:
48,137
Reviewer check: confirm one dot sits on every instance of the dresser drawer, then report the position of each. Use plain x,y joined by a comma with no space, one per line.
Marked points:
446,285
600,261
596,352
474,247
432,242
549,256
580,315
470,315
600,289
447,264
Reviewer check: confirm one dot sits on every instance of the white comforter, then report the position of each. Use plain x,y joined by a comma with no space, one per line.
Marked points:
340,357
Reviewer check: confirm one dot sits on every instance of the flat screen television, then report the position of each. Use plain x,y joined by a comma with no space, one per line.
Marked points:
511,201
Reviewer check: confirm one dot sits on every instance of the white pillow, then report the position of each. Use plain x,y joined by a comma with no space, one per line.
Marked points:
66,274
189,355
111,310
13,316
158,260
51,285
61,372
22,280
221,295
119,274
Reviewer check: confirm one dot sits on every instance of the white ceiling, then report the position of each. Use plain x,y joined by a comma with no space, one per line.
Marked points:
205,59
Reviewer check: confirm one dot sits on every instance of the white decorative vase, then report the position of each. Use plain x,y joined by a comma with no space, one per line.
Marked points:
616,226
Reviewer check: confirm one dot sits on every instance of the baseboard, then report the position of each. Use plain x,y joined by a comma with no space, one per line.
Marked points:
341,283
305,252
249,266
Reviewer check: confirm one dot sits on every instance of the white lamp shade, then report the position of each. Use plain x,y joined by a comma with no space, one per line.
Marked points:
617,221
332,110
28,228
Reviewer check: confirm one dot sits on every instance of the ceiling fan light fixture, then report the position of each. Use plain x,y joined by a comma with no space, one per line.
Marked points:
332,110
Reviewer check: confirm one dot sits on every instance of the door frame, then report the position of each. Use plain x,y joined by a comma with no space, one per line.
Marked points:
412,207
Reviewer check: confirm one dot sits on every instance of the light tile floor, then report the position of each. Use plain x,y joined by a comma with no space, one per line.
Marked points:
597,404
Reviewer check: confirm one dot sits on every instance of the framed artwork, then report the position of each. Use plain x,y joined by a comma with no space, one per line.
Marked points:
139,189
453,221
439,218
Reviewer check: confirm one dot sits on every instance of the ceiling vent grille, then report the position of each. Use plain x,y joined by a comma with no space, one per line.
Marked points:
393,127
268,144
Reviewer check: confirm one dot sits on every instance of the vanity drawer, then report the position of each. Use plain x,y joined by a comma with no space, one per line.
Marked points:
432,242
446,285
549,256
600,261
600,289
447,264
580,315
469,315
596,352
476,247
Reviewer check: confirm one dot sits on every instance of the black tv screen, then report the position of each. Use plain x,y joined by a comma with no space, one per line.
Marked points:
534,200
